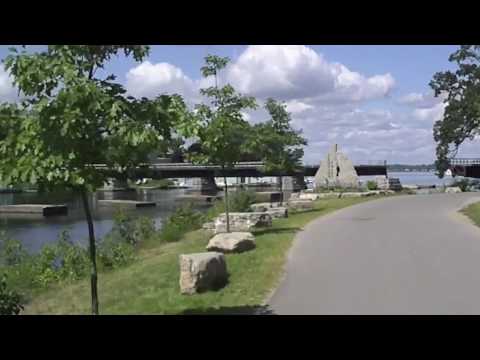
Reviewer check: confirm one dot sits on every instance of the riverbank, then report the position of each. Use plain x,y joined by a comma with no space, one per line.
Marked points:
150,284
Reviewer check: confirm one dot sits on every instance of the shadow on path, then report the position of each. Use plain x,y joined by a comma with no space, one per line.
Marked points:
231,310
276,230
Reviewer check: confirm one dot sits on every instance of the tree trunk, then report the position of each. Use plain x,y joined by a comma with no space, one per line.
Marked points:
92,251
226,203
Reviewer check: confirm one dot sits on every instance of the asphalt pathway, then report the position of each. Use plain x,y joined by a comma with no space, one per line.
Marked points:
412,254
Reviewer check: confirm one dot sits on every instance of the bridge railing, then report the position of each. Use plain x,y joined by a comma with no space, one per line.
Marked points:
465,161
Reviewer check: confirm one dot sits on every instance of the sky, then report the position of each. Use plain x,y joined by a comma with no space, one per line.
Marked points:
373,101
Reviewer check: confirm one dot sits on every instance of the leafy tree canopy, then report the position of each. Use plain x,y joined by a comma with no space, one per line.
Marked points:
461,119
72,119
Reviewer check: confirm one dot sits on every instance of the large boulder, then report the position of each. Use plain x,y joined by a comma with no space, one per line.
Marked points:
265,206
453,190
278,212
202,271
300,205
273,209
304,196
232,242
242,221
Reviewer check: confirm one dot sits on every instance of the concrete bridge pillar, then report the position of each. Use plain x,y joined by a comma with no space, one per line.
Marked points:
113,184
204,184
293,183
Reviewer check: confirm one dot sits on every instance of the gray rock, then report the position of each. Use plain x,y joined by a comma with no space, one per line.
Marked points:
242,221
262,207
232,242
453,189
278,212
202,271
304,196
300,205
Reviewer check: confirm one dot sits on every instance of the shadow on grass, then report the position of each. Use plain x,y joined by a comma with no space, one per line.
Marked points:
264,231
299,212
231,310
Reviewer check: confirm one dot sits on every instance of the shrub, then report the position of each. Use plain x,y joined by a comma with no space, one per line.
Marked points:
240,201
463,184
372,185
45,266
113,254
144,229
74,260
10,301
12,251
184,219
123,227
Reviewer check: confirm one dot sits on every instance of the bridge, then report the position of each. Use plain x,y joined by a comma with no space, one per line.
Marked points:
467,167
244,169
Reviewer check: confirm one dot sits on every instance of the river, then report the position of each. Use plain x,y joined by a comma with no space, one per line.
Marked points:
34,231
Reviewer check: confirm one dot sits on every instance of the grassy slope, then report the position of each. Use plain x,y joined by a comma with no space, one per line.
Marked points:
473,212
150,285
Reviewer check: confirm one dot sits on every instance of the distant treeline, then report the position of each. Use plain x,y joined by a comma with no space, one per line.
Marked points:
406,167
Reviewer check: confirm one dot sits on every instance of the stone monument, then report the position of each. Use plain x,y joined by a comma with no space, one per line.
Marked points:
336,170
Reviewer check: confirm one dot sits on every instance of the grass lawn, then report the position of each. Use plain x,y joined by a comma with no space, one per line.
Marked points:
473,212
150,284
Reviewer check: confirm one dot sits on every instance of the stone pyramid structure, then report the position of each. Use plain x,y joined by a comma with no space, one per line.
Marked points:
336,170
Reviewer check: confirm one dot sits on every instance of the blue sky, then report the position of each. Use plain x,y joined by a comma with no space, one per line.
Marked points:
374,101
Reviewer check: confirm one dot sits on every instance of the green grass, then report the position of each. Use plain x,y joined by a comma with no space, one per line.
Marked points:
150,285
473,212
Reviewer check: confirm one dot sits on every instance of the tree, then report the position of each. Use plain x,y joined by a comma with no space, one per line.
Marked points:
220,128
276,142
461,91
72,119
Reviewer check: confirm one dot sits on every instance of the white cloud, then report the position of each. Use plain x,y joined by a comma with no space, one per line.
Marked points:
151,80
296,107
422,101
295,71
7,90
431,114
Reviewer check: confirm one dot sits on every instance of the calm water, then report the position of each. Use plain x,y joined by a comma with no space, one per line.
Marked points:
417,178
35,231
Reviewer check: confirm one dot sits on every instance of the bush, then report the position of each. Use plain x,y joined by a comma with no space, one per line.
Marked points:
61,261
74,259
113,254
240,201
463,184
144,229
123,227
11,252
10,301
184,219
372,185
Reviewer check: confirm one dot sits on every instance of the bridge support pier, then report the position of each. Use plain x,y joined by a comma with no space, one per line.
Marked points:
293,183
203,185
113,184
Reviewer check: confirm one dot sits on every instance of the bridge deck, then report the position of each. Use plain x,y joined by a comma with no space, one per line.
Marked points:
252,169
467,167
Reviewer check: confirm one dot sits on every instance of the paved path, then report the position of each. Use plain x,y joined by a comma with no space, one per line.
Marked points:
398,255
